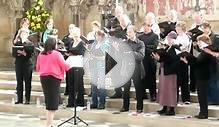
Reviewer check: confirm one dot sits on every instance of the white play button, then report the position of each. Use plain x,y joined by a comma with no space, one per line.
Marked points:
116,63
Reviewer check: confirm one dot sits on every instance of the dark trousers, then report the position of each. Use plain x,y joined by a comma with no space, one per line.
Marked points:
67,84
118,91
76,86
149,80
23,74
138,89
202,90
182,82
192,79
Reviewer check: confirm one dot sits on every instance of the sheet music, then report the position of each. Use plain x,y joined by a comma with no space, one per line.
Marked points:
177,51
202,44
196,53
17,46
75,61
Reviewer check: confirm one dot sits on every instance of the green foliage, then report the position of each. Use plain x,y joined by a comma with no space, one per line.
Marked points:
37,15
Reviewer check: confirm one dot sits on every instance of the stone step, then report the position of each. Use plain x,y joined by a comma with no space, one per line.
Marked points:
8,91
117,103
36,86
9,94
183,109
11,76
109,115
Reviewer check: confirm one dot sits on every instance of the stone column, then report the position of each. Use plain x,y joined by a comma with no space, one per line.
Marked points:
101,5
14,10
10,12
74,4
131,7
197,6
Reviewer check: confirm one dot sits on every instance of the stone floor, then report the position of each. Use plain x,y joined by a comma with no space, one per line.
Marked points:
20,120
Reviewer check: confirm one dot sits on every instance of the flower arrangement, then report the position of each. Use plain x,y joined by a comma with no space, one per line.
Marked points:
37,15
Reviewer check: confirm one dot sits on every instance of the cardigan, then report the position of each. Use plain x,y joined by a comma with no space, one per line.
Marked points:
170,60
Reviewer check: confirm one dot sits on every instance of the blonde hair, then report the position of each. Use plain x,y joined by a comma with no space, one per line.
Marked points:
206,25
151,16
124,18
96,23
77,32
132,27
182,25
205,38
71,26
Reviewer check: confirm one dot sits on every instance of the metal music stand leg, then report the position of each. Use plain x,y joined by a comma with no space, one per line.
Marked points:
74,118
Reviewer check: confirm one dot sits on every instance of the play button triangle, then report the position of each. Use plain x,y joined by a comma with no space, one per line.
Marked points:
109,63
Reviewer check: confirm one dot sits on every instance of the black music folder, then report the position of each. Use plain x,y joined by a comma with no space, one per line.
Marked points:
28,48
84,39
15,49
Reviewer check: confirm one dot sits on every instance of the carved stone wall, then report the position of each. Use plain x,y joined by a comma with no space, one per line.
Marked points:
9,12
62,16
62,10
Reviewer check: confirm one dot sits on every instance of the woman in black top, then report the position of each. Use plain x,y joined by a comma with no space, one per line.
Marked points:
76,73
23,65
68,42
68,39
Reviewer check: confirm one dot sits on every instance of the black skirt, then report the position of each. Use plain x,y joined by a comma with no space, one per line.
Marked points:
51,86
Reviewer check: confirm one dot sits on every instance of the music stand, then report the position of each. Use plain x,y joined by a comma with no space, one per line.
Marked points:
75,118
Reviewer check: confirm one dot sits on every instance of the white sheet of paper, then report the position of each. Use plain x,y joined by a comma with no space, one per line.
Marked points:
203,45
177,51
75,61
196,53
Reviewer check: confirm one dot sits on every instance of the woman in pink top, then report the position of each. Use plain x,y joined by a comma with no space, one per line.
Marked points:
51,67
